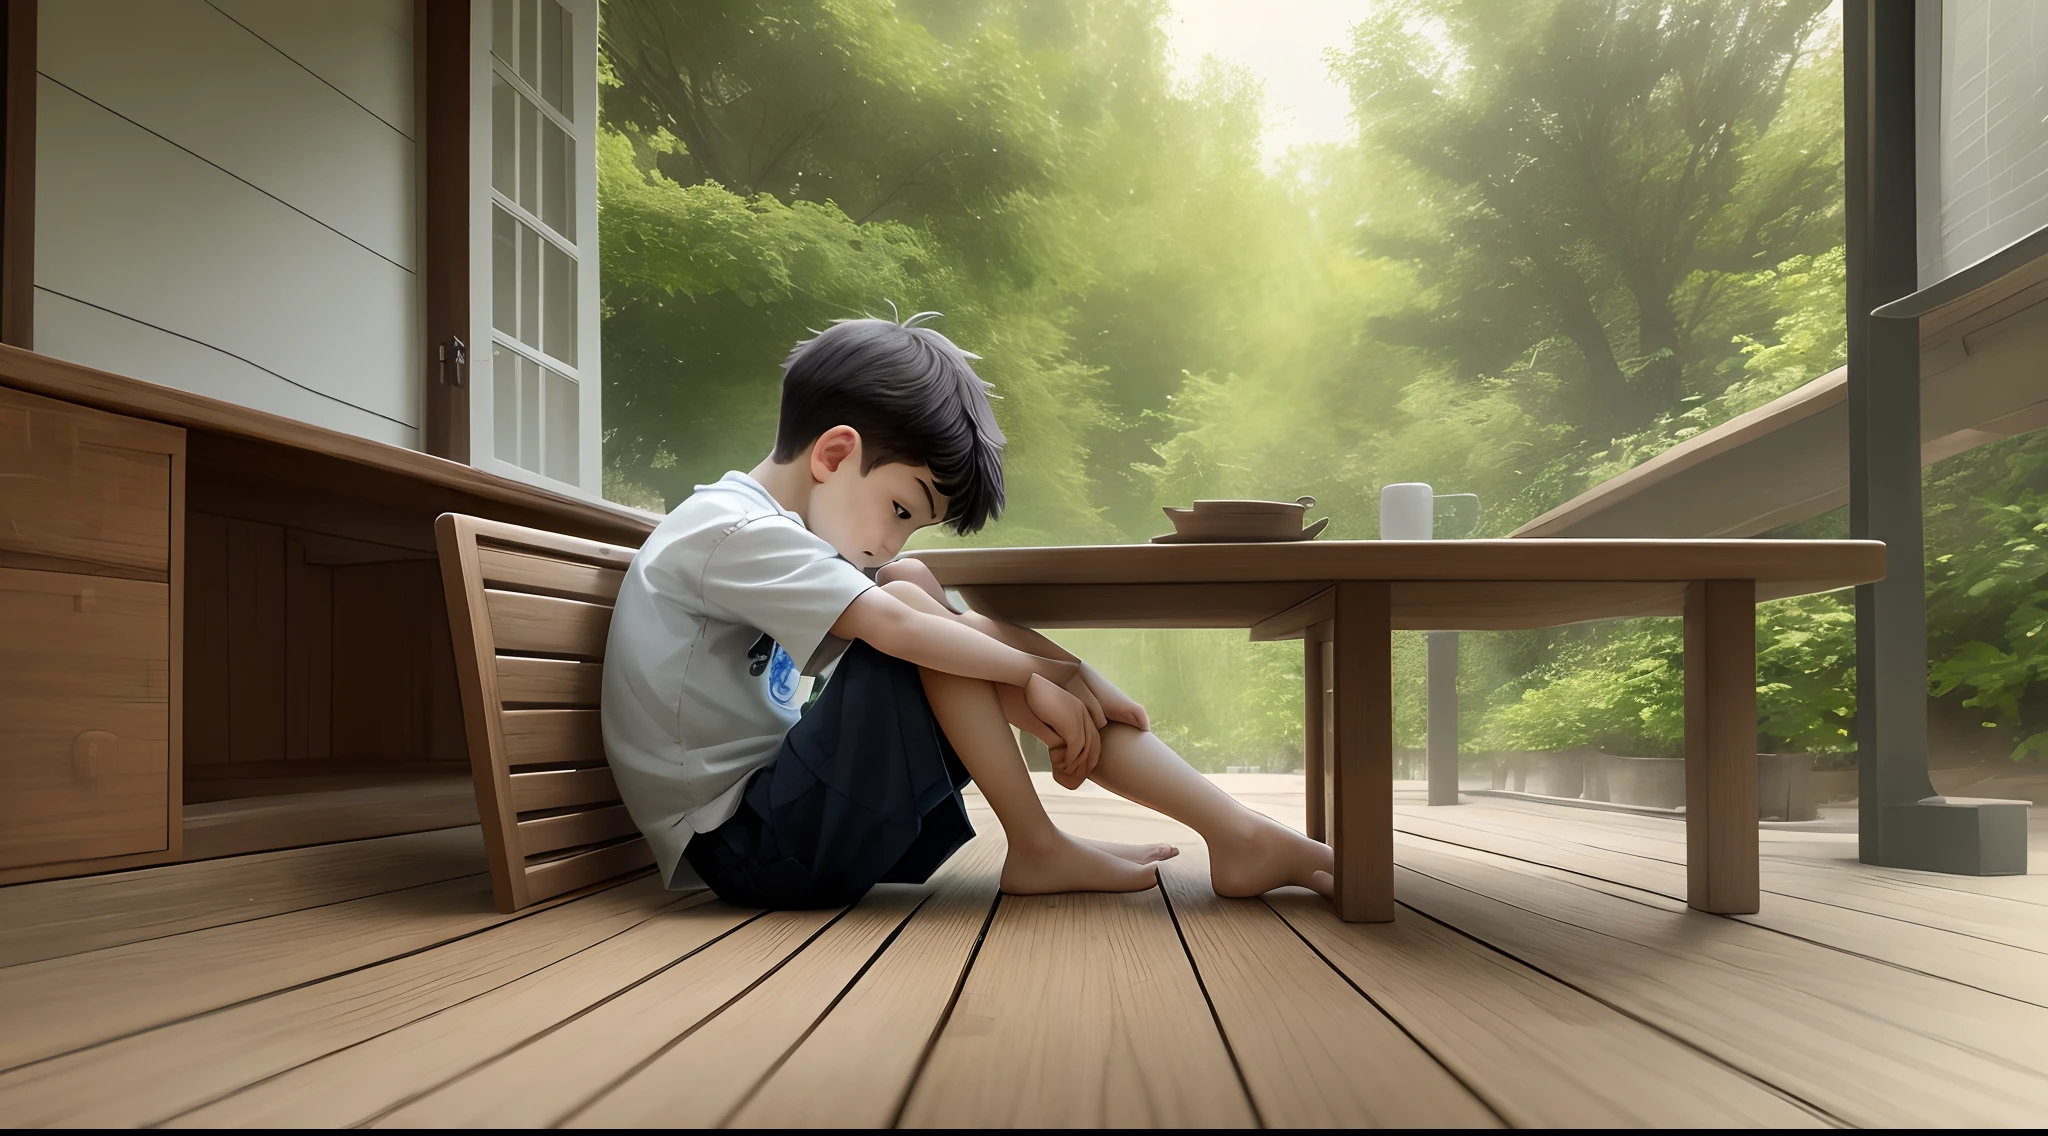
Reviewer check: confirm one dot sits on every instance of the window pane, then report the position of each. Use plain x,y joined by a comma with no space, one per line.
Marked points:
503,31
558,167
529,287
504,404
561,427
529,155
504,138
504,272
554,55
529,69
529,414
560,307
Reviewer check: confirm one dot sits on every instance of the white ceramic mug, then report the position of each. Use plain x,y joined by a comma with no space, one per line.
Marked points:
1408,511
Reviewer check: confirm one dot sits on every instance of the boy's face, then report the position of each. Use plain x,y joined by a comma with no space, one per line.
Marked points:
867,517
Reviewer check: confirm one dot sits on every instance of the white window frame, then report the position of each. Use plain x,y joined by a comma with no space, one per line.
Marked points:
581,79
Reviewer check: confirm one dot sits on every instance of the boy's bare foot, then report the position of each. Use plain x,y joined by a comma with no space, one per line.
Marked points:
1271,855
1067,864
1135,853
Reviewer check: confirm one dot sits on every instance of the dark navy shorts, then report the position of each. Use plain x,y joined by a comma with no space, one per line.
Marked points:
865,791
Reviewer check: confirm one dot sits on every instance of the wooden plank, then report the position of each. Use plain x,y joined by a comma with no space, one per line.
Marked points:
1916,930
256,643
1866,1043
571,830
535,683
547,626
206,644
1776,565
854,1069
538,737
1361,678
167,1071
1720,746
548,1079
351,1085
1042,1039
708,1072
476,672
67,917
1313,1052
61,1004
560,788
18,179
518,571
1541,1054
309,654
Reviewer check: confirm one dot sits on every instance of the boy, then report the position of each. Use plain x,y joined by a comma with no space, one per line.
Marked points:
884,429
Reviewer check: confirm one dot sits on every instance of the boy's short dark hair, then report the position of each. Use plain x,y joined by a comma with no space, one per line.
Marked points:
914,399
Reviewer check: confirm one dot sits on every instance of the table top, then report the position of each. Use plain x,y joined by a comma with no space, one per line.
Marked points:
1444,584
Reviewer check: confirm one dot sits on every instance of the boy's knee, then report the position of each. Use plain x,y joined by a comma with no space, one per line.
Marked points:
909,593
908,569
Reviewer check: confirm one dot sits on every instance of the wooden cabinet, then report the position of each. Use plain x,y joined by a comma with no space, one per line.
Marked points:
85,673
91,516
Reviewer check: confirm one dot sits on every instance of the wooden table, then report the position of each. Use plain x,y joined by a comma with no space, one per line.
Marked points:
1346,598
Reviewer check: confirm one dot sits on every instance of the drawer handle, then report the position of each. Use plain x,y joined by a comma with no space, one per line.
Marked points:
90,752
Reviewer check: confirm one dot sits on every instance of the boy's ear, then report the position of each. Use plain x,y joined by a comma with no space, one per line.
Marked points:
832,449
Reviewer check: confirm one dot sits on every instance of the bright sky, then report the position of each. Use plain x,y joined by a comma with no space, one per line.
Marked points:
1282,42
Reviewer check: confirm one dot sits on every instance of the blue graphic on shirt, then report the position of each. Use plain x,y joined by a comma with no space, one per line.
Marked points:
782,678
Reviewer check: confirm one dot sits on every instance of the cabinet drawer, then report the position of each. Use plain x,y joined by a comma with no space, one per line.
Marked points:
80,487
84,717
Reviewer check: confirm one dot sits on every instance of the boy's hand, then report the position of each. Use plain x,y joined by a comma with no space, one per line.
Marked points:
1080,743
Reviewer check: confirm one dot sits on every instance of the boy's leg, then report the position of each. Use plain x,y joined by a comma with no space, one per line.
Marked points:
1249,852
1040,858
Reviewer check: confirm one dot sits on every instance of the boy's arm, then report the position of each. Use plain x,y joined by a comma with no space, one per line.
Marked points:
1112,704
941,644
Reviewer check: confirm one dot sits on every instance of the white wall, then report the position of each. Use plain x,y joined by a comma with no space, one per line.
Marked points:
225,202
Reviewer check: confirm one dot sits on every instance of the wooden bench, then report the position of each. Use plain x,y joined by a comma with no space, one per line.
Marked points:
529,612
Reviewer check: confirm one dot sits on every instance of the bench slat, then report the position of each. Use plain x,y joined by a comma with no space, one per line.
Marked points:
585,868
567,579
546,625
549,682
570,830
548,737
561,788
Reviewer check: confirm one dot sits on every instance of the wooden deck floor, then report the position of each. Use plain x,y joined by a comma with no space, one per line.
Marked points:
1542,972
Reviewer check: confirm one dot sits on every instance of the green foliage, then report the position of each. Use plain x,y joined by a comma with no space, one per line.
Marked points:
1988,598
1566,235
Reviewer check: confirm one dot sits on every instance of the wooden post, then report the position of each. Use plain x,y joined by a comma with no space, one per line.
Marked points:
1720,746
1362,682
1314,722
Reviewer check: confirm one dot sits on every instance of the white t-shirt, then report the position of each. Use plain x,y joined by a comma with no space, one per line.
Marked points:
700,671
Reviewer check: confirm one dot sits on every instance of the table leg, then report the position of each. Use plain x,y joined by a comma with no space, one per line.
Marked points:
1720,746
1314,719
1362,752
